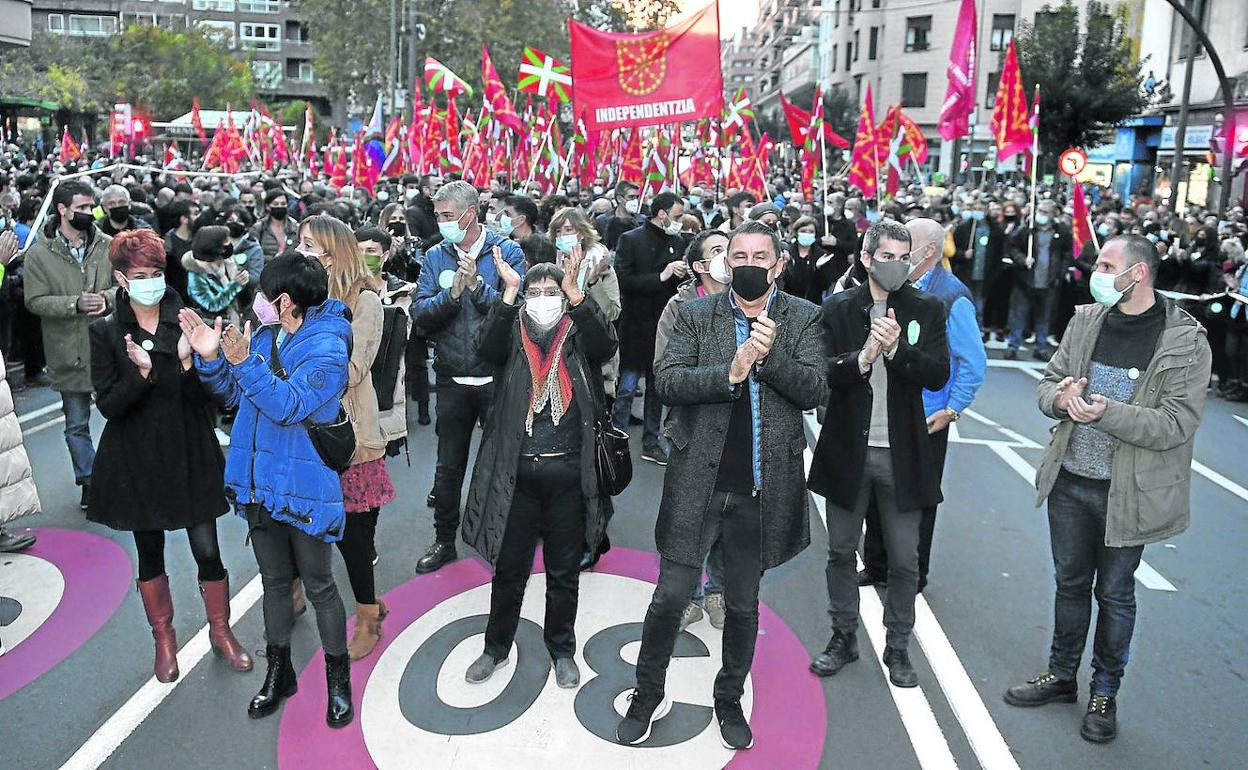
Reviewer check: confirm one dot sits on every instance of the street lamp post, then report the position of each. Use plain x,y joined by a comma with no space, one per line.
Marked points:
1228,98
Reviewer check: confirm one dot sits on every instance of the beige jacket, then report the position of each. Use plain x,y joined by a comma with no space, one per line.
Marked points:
18,495
1151,474
53,282
605,292
360,400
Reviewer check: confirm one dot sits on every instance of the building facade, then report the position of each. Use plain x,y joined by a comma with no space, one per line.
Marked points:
270,34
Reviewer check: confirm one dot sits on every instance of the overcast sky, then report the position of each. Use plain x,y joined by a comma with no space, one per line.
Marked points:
733,14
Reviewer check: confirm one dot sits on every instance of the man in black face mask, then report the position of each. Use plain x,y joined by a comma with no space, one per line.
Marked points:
733,362
885,343
116,203
275,231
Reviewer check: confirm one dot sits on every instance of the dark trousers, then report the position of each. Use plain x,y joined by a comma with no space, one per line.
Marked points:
150,545
652,414
77,409
28,334
460,408
875,553
279,549
1030,305
416,358
1077,508
901,533
547,504
735,519
357,547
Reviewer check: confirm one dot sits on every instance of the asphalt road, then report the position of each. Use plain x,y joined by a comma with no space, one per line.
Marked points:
81,693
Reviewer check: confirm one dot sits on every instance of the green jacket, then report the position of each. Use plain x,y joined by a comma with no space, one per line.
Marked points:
53,282
1151,474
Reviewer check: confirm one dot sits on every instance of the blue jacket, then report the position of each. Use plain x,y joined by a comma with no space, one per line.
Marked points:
271,460
451,324
968,361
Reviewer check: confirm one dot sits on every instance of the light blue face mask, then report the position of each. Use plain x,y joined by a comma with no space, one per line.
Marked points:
452,232
968,215
1042,219
978,216
148,292
505,225
695,200
566,243
805,239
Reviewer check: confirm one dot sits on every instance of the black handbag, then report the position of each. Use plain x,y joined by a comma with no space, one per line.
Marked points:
334,441
612,459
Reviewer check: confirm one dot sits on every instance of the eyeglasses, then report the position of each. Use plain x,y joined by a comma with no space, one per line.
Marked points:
535,293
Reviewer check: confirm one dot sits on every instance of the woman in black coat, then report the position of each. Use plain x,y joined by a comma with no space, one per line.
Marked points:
535,473
159,466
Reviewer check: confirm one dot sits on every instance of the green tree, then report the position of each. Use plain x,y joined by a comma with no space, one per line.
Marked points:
161,71
352,37
1089,80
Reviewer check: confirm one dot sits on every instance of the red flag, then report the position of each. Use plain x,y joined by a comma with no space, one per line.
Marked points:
647,79
70,151
954,120
862,164
1081,229
196,121
631,170
1009,114
496,100
802,123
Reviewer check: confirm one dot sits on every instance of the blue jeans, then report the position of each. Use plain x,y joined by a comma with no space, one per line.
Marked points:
1025,302
714,566
1077,509
623,406
77,409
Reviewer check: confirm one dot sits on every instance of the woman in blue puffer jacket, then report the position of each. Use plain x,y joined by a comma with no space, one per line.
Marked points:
274,476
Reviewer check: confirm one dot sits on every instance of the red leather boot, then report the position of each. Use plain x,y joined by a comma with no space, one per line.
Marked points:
159,607
217,607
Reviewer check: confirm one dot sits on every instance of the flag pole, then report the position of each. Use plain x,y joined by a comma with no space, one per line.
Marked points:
823,173
563,169
1035,161
676,157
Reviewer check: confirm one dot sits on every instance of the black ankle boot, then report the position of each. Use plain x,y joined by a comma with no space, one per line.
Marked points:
339,712
279,682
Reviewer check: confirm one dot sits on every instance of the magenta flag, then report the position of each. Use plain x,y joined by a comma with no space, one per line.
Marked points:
955,113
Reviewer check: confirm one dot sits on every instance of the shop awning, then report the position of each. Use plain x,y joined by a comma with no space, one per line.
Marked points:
39,104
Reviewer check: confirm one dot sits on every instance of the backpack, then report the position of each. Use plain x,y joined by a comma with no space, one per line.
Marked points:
385,369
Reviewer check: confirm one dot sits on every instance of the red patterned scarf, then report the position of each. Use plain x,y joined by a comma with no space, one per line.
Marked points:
551,382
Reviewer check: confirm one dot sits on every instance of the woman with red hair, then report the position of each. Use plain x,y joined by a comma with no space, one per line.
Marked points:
159,467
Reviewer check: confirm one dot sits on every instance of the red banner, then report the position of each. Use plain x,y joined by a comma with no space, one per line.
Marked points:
665,76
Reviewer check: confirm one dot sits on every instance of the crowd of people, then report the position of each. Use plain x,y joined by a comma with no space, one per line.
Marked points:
293,322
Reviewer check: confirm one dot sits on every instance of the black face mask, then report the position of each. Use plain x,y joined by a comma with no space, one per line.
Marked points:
119,213
236,229
750,282
278,212
81,220
397,229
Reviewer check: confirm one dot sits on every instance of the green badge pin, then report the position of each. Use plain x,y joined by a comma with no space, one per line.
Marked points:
912,332
1133,373
446,278
1215,307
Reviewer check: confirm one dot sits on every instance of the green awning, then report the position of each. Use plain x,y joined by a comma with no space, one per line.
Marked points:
17,101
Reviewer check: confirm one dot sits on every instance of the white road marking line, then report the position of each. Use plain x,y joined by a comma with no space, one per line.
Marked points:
1148,577
928,740
1220,480
1020,438
37,413
43,426
1023,366
104,741
1240,420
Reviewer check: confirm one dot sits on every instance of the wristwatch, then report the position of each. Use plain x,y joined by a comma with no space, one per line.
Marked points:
953,416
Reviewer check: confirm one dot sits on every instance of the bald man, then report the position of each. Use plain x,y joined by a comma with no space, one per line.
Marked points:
967,364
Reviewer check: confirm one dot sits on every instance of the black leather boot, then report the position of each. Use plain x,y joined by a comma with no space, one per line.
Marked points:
339,712
842,649
279,682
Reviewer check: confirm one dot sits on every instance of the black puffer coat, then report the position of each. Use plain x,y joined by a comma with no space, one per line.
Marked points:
591,343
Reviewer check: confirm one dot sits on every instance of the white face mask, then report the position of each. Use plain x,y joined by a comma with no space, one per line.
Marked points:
719,269
566,243
544,310
673,228
632,206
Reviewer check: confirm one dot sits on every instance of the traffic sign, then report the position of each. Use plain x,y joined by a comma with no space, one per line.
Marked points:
1072,162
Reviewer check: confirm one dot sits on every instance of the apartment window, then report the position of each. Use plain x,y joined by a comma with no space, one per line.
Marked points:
259,6
225,6
267,74
137,17
297,32
91,26
221,31
261,37
834,53
875,3
990,97
1002,31
914,89
56,23
849,53
918,33
873,39
836,14
857,45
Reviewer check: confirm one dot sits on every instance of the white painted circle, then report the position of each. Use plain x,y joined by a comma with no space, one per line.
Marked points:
549,727
38,585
